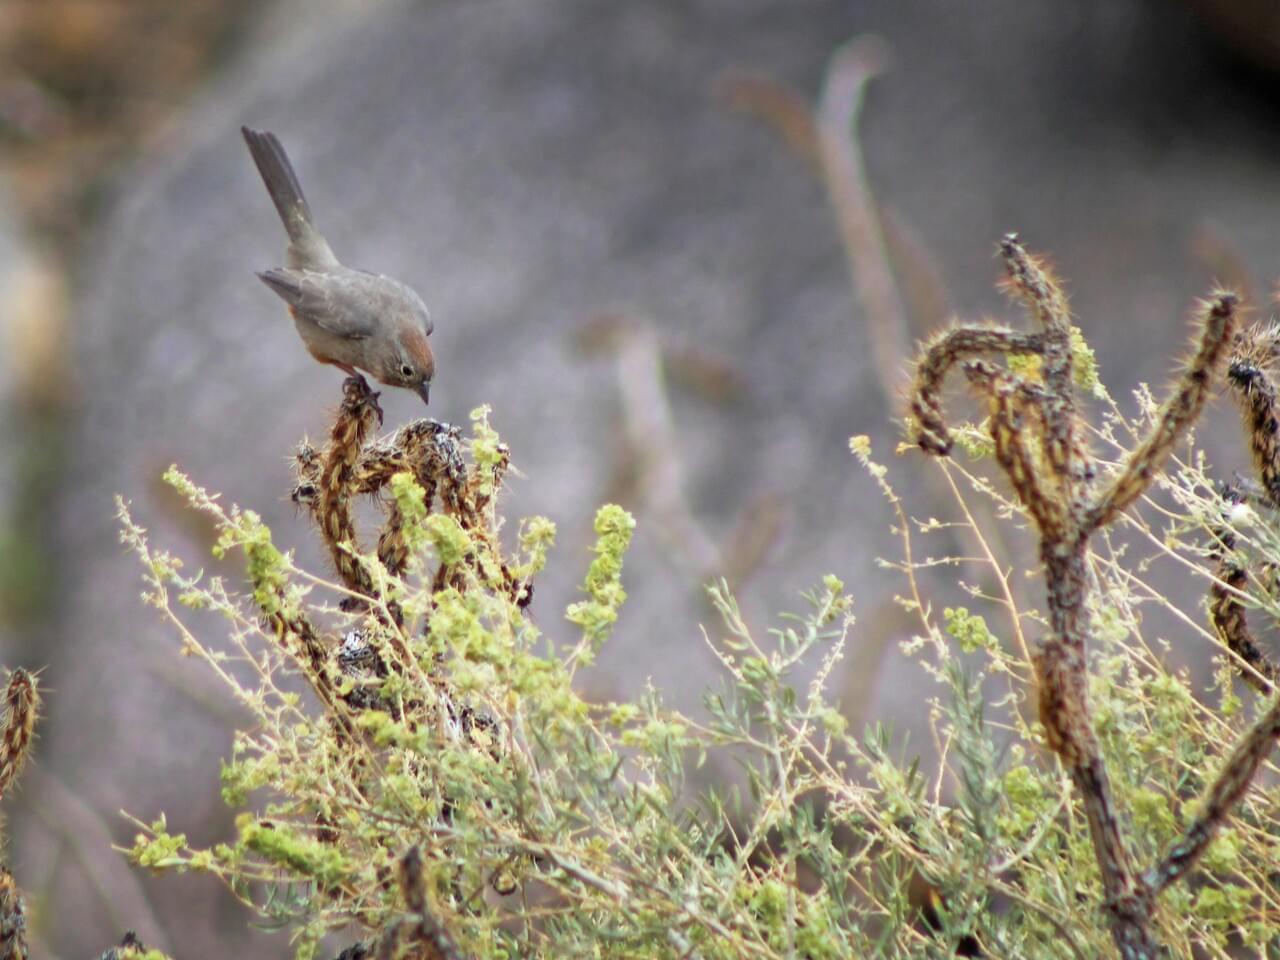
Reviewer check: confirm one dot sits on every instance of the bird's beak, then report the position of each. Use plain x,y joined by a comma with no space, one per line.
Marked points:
424,390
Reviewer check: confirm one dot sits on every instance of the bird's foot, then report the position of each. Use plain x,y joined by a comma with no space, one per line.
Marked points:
356,391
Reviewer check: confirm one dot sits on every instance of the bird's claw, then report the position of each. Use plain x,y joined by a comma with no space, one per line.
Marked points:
357,391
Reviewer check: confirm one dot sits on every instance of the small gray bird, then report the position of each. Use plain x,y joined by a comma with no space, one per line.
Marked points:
349,318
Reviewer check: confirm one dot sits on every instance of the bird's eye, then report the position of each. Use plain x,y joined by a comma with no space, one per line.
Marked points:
406,370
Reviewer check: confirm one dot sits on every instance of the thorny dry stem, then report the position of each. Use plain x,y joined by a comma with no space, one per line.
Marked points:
1251,383
21,705
17,731
328,483
1226,604
1040,444
13,918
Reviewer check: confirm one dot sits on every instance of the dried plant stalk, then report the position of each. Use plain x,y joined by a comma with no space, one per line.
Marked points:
13,919
21,708
354,422
1179,412
939,356
426,938
1223,795
1007,405
427,450
1030,280
1227,611
1055,489
1256,393
1230,621
21,705
1251,384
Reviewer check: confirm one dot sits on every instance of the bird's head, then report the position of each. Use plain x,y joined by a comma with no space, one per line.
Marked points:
410,363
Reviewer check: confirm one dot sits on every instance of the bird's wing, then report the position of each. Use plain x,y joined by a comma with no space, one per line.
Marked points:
330,302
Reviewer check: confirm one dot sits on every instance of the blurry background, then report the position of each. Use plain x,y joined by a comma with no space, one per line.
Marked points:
618,215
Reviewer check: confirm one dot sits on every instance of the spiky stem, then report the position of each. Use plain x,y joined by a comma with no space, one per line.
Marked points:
1007,408
1227,612
1035,286
942,353
13,919
1055,488
355,421
1220,799
21,705
1176,416
1256,393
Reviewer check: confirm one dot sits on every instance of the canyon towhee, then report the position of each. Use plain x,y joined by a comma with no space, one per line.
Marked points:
349,318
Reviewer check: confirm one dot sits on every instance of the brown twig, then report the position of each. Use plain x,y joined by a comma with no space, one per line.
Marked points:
427,450
417,937
1251,383
21,707
1248,377
1008,409
426,933
298,637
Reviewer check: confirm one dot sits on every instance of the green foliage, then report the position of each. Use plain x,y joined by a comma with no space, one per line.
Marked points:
550,826
603,583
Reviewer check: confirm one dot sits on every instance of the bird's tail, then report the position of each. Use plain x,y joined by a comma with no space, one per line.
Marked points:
286,193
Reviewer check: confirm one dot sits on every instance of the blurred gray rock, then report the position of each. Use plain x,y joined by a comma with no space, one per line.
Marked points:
531,164
15,260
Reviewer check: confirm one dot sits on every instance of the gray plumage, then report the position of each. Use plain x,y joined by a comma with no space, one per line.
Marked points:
350,318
